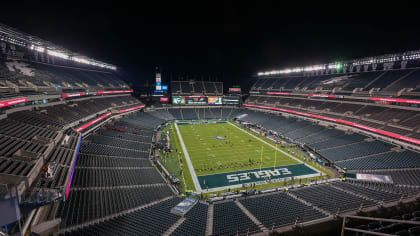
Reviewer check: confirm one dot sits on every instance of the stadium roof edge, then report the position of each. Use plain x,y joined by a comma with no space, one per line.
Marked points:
405,56
17,37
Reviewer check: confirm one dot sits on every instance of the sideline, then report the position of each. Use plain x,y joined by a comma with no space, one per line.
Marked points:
189,163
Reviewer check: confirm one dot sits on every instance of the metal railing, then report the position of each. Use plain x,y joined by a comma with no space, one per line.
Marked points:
347,218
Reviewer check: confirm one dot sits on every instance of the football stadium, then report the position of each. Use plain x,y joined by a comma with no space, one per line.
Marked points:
331,148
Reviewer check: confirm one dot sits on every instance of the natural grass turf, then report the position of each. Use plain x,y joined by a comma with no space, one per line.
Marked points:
210,155
186,179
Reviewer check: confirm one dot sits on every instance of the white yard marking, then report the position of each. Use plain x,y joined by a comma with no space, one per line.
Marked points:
269,144
189,163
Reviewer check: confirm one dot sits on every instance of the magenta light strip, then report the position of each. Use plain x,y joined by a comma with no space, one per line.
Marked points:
397,136
93,122
12,102
396,100
321,95
110,92
72,170
133,108
278,93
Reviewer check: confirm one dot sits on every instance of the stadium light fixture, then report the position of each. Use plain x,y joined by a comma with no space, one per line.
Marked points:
58,54
93,63
37,48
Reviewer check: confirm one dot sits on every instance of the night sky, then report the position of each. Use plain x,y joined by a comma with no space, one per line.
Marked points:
231,40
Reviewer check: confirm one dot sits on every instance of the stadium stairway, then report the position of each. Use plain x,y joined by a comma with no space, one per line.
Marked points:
353,193
309,204
252,217
174,227
210,215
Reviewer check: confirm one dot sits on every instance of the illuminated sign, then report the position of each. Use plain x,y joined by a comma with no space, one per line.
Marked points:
196,100
164,99
178,100
12,102
277,93
93,122
238,90
231,100
112,92
69,95
321,95
164,87
397,136
396,100
132,109
158,80
215,100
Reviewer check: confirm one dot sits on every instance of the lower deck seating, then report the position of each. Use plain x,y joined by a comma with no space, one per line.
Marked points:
279,210
355,150
229,219
99,149
374,194
98,177
331,199
195,221
90,160
153,220
85,205
389,160
402,176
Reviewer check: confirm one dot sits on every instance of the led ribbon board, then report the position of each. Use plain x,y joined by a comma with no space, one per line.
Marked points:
12,102
69,95
397,136
93,122
277,93
396,100
321,95
132,109
112,92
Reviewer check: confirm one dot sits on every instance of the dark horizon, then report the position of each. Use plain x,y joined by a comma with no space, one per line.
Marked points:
232,41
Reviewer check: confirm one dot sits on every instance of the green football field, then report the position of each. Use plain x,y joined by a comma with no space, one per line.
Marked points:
220,148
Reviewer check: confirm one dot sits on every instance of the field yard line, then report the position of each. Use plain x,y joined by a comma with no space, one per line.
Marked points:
269,144
189,163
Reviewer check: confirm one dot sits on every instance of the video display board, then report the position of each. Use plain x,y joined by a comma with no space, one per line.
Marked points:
203,100
196,100
178,100
215,100
231,100
235,90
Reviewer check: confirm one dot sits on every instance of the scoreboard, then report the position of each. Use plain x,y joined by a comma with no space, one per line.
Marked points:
204,100
231,100
196,100
234,90
215,100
